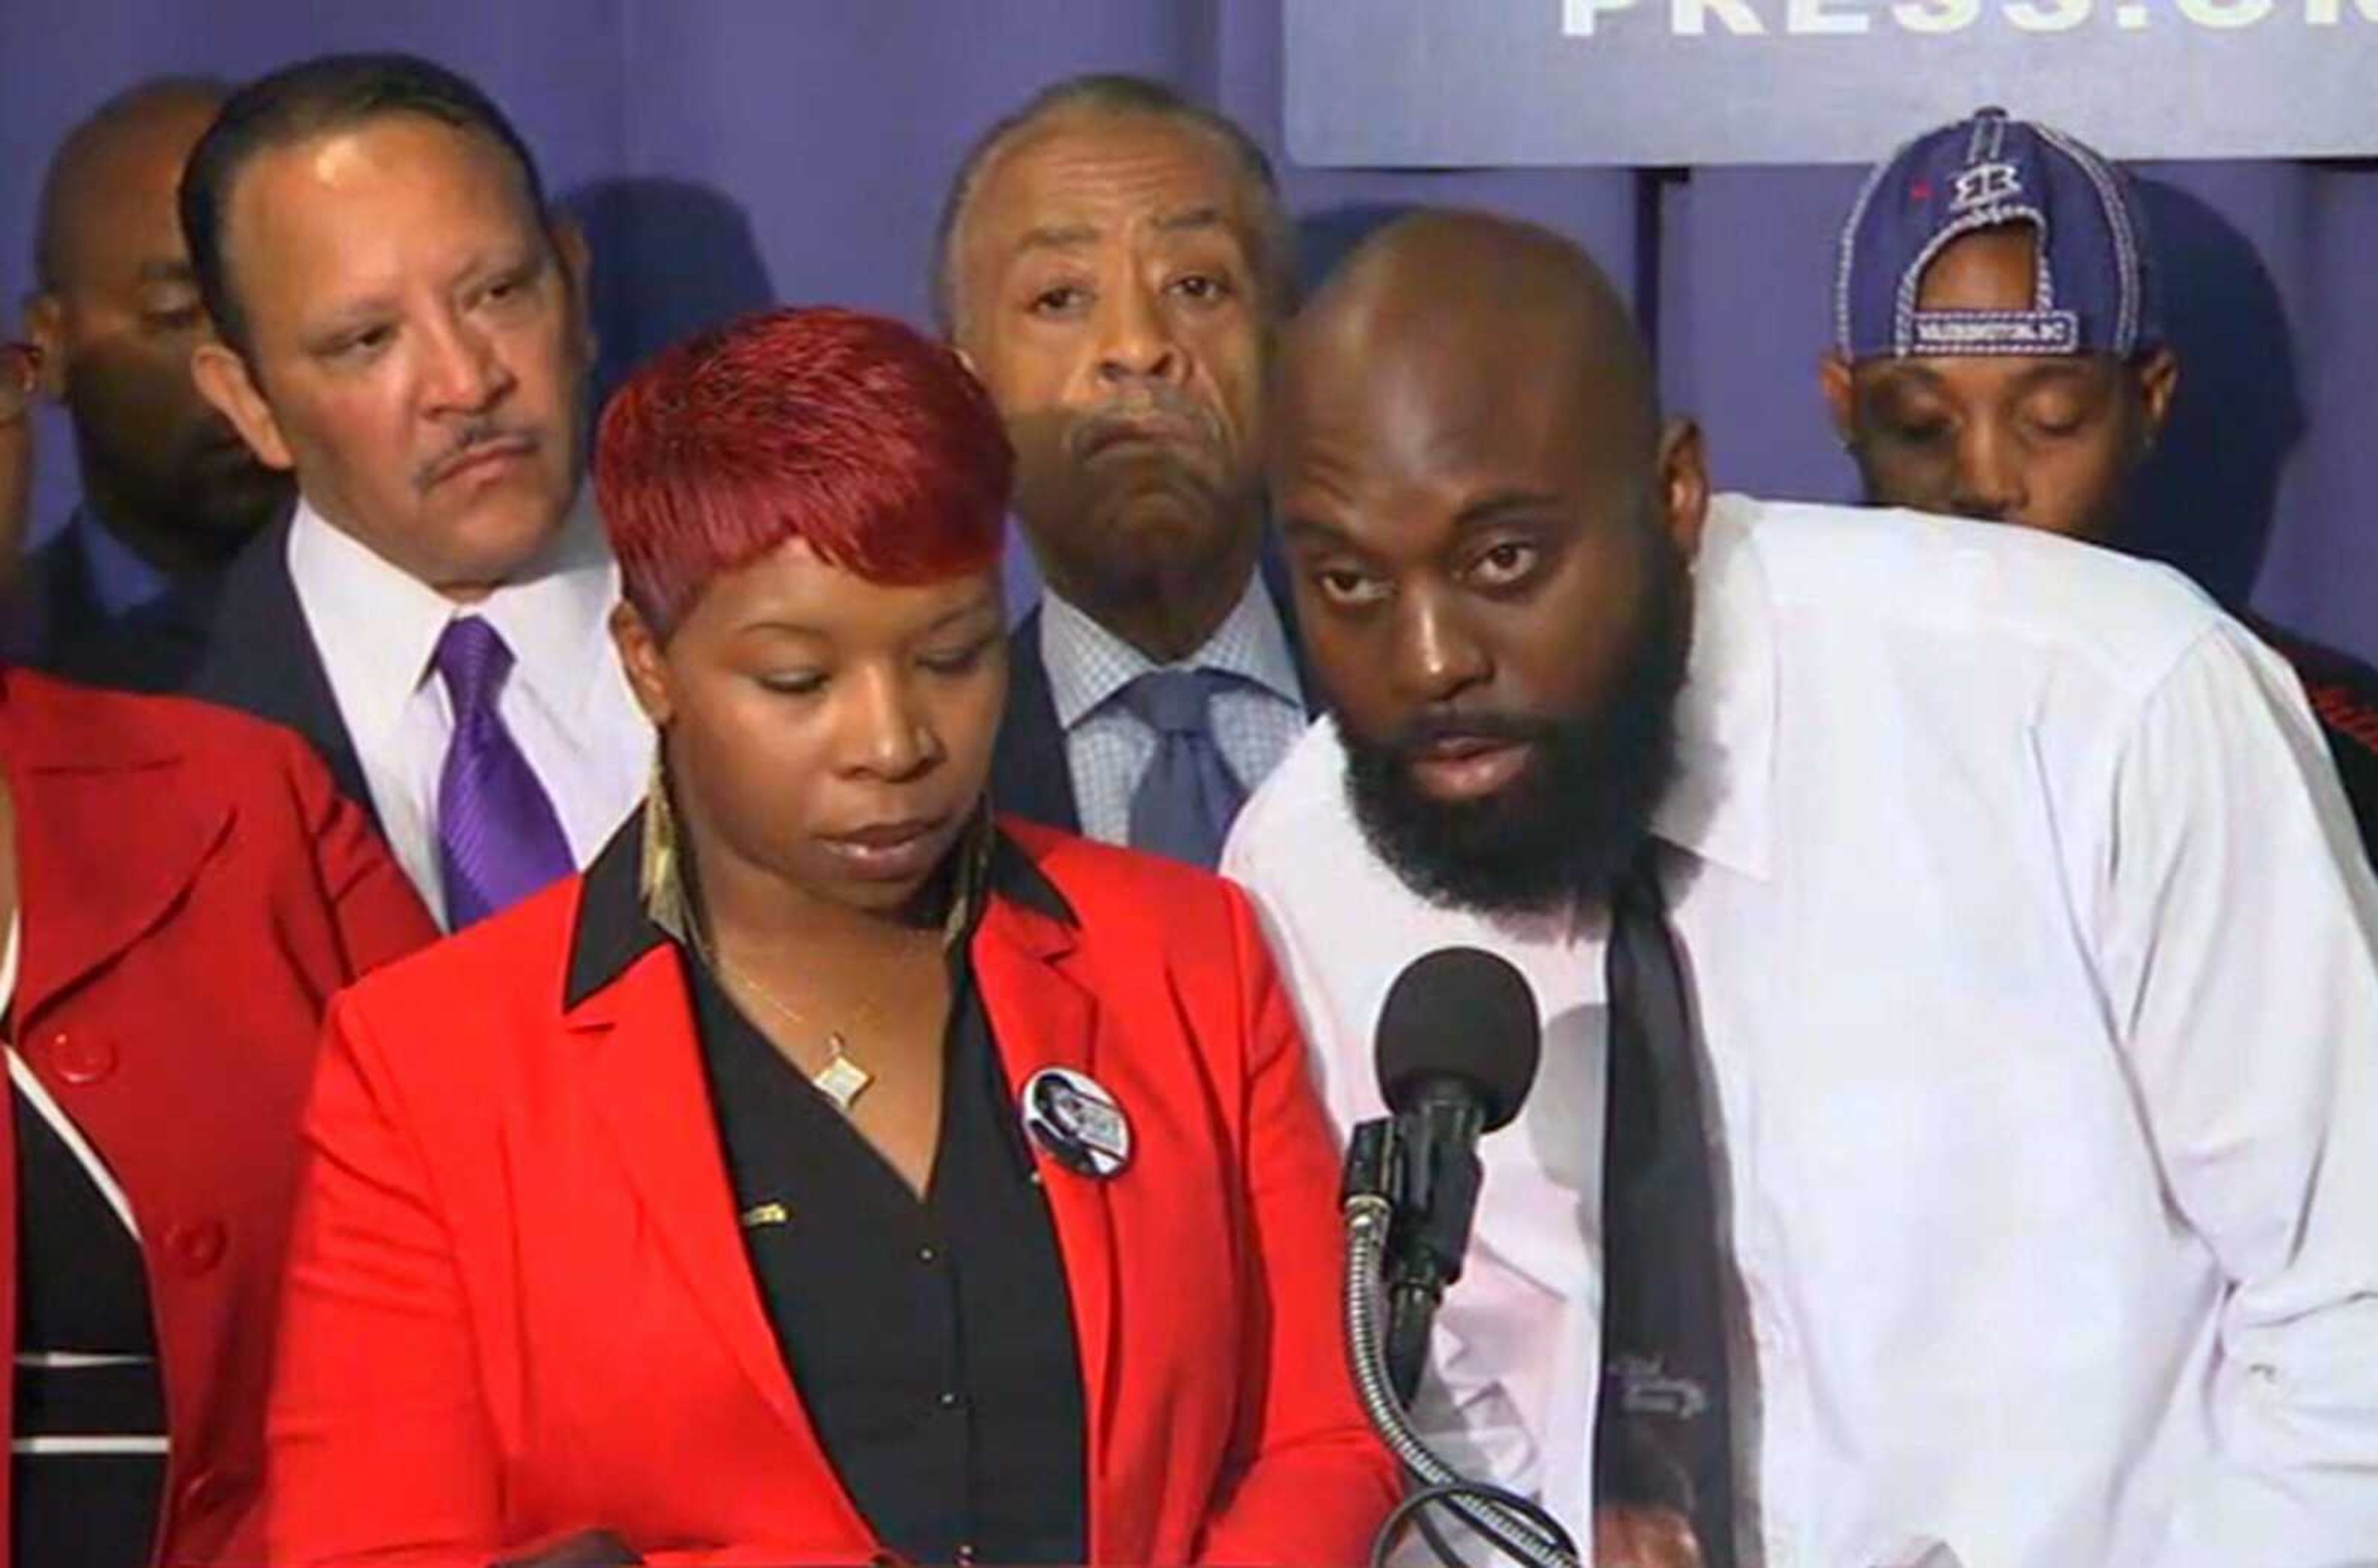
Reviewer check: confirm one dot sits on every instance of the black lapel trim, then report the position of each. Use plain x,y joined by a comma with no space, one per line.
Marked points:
1017,877
611,931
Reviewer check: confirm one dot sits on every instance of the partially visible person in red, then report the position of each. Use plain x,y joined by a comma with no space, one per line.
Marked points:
181,892
831,1169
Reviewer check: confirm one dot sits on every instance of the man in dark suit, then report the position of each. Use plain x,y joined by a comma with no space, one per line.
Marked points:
169,490
401,327
1111,262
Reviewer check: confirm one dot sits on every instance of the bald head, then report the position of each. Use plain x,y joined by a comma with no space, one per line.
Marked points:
118,316
127,152
1472,305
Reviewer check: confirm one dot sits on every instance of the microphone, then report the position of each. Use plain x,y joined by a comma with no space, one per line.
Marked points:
1458,1045
1456,1048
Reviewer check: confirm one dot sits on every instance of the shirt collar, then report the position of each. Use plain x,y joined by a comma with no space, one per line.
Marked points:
616,928
120,580
1087,664
1721,806
554,618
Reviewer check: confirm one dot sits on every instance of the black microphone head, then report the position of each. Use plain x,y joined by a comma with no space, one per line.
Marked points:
1460,1012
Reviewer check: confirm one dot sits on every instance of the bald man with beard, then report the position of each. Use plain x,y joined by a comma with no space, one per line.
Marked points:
1962,928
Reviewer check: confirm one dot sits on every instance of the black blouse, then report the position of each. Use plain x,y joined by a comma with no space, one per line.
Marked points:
89,1416
932,1342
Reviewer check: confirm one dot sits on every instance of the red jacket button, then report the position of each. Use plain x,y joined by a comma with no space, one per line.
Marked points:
80,1057
195,1247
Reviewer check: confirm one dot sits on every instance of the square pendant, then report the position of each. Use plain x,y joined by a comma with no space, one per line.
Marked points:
842,1080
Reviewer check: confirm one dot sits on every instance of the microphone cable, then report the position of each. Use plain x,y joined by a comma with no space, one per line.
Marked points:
1519,1528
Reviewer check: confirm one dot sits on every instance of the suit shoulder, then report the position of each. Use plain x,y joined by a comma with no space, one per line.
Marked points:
510,955
225,739
156,648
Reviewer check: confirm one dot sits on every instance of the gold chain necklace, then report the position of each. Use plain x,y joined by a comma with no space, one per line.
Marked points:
841,1080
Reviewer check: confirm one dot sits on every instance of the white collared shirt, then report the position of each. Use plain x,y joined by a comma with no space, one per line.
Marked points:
1256,718
566,701
2033,957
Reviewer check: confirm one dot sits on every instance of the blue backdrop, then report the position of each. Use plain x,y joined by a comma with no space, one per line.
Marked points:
726,153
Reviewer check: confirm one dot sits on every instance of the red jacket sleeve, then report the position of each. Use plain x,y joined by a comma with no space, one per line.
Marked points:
1308,1481
377,915
377,1436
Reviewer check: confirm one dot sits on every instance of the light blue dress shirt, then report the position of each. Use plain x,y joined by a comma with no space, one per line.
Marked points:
1256,719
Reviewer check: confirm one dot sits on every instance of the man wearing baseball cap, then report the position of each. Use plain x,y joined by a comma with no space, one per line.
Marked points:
1998,354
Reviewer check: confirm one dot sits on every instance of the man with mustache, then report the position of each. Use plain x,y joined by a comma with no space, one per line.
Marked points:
1959,930
169,491
1112,262
401,327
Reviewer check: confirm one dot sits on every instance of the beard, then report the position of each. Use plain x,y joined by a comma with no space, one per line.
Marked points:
1569,826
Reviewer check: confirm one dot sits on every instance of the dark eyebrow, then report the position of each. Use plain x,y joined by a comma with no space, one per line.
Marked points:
1058,237
987,604
1312,531
1881,373
1503,506
2057,370
1189,218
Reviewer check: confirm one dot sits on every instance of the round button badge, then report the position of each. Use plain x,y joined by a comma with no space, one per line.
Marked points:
1071,1116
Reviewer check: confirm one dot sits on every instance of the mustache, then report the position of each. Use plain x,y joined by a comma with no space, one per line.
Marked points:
1152,409
468,443
1426,731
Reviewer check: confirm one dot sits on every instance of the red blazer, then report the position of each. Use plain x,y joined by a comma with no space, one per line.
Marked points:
520,1306
193,892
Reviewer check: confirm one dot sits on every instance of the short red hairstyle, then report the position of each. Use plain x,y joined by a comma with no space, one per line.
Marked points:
848,431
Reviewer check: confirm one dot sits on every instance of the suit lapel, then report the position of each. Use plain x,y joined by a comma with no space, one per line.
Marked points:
112,827
643,1073
625,1000
1042,1017
1029,774
259,657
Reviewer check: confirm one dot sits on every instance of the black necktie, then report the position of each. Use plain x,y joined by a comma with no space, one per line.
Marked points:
1660,1435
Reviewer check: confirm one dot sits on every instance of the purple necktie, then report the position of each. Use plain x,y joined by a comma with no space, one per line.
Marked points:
499,840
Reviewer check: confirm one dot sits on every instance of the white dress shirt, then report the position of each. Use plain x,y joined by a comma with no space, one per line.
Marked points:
1256,718
566,701
2033,960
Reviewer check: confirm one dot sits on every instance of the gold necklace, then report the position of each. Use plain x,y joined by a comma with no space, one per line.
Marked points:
841,1080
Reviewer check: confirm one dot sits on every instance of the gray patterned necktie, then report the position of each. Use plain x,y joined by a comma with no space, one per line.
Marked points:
1188,796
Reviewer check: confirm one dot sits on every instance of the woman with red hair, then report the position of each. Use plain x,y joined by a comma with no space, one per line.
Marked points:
832,1171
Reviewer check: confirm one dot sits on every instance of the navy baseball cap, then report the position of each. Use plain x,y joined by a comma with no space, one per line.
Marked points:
2095,291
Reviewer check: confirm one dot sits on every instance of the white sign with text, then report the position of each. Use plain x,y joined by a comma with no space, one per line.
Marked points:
1449,83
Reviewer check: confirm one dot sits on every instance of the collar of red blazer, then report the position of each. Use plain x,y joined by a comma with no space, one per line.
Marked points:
612,931
111,823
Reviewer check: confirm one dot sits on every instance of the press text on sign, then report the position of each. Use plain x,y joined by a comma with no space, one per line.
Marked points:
1693,18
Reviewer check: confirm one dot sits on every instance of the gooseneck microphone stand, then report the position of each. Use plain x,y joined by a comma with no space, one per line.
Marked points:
1388,1261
